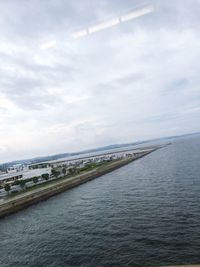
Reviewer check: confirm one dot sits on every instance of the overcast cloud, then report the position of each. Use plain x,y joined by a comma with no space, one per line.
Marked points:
135,81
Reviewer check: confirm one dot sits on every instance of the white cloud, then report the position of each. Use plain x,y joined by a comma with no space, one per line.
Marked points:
48,45
136,81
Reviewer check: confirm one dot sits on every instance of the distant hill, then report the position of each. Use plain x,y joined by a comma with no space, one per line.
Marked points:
104,148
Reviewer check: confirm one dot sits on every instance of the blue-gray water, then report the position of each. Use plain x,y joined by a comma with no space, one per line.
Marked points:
144,214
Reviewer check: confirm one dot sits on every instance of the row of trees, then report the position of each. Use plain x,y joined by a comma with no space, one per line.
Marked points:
45,176
22,183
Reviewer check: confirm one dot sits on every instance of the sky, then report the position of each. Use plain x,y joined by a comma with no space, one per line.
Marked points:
134,81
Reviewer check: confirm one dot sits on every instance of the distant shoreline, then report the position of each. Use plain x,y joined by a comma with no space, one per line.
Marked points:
26,199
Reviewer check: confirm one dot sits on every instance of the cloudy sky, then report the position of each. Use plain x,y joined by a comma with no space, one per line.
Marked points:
134,81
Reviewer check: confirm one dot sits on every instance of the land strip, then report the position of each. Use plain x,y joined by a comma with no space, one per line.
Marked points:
33,196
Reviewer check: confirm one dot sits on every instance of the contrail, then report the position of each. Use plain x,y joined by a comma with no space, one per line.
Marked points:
113,22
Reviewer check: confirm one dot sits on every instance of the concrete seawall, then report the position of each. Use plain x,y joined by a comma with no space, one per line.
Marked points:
34,196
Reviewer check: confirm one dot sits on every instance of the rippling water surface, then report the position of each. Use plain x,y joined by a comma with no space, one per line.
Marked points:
144,214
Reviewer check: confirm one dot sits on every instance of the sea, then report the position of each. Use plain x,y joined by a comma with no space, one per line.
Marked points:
146,213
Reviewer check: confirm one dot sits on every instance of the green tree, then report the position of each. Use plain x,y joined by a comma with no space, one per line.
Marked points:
55,173
7,188
64,171
45,176
35,180
22,183
71,170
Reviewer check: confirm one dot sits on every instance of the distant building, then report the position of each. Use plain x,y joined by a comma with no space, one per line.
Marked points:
26,173
9,178
15,168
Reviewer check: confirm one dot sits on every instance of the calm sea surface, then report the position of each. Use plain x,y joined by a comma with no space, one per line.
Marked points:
144,214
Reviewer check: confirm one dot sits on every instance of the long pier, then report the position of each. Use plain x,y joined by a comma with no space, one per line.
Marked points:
23,200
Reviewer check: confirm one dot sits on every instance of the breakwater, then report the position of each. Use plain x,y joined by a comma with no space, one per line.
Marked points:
26,199
143,214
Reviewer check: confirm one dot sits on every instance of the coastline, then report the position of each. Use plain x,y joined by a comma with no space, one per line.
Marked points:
26,199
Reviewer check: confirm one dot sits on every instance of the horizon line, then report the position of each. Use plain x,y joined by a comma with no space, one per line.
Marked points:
103,146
